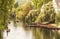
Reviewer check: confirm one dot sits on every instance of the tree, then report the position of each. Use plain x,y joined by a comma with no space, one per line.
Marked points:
47,13
46,1
5,7
31,16
37,3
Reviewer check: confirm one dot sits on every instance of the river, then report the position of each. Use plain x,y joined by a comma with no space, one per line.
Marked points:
17,32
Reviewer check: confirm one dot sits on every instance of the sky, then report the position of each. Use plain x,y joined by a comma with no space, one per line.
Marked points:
20,2
57,9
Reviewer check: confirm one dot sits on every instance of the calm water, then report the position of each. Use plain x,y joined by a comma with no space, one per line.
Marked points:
17,32
20,33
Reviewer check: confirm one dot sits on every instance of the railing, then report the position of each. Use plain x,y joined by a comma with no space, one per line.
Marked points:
44,26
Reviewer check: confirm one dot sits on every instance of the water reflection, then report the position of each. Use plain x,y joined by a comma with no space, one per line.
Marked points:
46,34
17,32
1,35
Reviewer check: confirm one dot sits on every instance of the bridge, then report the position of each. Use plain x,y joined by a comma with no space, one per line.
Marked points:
44,26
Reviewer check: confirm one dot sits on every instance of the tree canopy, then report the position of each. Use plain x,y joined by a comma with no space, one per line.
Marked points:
5,7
